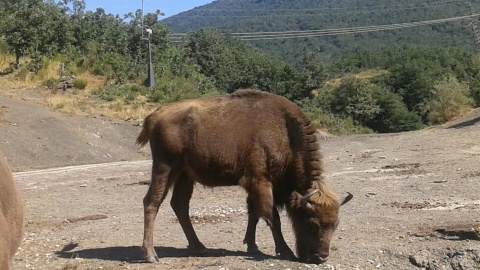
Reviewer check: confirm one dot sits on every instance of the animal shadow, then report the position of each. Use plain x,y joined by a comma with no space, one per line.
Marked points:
133,254
466,123
458,234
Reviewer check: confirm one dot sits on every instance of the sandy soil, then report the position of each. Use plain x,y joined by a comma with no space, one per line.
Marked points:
416,199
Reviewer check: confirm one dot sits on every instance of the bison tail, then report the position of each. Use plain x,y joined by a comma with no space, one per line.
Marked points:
144,135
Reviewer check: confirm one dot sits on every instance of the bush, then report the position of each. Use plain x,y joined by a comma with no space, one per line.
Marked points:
450,99
124,92
22,74
50,83
171,89
394,115
8,70
336,125
80,83
354,98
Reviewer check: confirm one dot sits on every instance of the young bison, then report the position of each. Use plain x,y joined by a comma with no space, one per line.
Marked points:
259,141
11,216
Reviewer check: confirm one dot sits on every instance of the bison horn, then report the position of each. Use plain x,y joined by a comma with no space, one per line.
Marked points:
305,198
347,198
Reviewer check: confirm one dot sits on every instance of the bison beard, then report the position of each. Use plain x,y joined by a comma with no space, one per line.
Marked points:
254,139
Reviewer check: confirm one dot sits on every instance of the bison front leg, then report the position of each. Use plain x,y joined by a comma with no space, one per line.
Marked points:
153,199
182,193
250,235
262,205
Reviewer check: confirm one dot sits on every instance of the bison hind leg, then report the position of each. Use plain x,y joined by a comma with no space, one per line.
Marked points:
182,193
162,178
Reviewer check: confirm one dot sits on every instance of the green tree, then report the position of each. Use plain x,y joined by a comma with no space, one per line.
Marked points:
393,115
413,81
35,26
232,64
354,98
312,73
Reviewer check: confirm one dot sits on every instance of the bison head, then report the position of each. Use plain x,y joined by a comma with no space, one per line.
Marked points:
314,220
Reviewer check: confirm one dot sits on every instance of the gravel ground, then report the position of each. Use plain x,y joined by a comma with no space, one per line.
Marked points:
416,202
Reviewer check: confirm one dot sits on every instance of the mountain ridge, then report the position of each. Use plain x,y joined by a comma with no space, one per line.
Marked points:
300,15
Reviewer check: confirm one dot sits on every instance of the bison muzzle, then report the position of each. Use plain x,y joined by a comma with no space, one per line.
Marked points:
260,141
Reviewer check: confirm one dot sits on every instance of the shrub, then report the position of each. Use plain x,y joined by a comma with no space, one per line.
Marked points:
22,74
336,125
80,83
8,70
124,92
50,83
450,99
394,115
354,98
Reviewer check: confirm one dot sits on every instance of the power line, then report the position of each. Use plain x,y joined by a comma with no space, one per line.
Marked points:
252,36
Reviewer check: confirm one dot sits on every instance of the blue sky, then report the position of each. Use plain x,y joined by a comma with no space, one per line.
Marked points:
124,6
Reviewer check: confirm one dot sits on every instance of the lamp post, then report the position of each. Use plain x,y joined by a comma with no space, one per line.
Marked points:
151,75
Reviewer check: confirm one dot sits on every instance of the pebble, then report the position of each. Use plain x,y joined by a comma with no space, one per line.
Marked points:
440,181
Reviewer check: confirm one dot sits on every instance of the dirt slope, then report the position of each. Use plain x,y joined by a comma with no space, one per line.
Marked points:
33,136
416,199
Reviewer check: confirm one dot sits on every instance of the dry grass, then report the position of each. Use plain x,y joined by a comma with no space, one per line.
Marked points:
71,266
72,101
52,71
365,75
83,104
119,109
71,104
5,60
371,73
94,82
11,81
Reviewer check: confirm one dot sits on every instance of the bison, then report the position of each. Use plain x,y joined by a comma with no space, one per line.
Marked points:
257,140
11,216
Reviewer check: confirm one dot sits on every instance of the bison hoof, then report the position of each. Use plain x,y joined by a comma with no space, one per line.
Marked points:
149,255
151,259
287,255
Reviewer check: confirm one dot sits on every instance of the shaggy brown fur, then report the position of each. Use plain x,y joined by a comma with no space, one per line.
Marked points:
254,139
11,216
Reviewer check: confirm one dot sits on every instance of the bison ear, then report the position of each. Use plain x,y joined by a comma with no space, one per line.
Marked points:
347,198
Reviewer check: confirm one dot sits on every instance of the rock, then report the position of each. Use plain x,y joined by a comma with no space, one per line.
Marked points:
421,259
440,181
452,259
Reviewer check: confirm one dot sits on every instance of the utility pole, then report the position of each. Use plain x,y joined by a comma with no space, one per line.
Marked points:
151,75
474,24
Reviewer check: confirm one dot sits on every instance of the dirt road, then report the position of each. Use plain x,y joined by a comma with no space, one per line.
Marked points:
416,202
